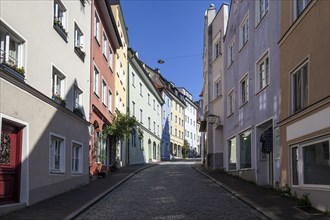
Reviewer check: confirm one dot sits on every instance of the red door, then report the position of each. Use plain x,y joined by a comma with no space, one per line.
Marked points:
10,164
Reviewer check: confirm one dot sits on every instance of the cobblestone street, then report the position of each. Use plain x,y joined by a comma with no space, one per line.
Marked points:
170,191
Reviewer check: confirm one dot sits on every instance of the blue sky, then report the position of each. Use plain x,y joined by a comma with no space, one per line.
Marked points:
172,31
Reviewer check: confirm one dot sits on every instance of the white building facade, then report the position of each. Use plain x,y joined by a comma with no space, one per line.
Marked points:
190,122
45,110
145,104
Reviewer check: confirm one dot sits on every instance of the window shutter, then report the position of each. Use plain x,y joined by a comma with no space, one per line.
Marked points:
62,156
51,156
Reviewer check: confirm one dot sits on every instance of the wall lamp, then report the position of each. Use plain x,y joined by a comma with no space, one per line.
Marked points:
212,119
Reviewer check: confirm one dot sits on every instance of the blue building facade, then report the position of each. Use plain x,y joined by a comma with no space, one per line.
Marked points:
166,126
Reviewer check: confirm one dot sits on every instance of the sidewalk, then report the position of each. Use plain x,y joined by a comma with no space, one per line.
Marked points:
261,198
69,204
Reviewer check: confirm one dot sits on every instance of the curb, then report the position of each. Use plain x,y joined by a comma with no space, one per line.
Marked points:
239,196
104,193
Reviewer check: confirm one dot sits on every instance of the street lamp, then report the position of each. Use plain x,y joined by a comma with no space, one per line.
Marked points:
212,119
160,61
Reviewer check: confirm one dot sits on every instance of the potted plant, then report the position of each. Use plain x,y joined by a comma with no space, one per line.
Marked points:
58,99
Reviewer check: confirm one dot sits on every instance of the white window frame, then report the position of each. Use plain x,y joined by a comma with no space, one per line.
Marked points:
104,92
111,58
217,88
110,100
61,154
105,46
96,81
262,76
300,164
78,37
74,158
10,37
231,103
78,98
97,25
244,31
133,109
244,92
296,12
262,7
303,99
60,13
58,83
230,59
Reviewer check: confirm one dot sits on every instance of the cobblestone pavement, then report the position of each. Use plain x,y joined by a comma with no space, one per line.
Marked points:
170,191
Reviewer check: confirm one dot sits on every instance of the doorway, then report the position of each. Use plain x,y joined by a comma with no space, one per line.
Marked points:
10,163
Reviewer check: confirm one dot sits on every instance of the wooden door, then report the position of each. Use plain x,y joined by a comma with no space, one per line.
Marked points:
10,164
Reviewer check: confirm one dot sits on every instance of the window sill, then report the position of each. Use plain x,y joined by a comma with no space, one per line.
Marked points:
230,64
105,57
98,97
230,114
6,68
61,31
261,90
243,104
97,41
81,54
243,46
261,20
56,172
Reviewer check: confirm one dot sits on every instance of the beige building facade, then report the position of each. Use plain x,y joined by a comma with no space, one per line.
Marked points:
305,99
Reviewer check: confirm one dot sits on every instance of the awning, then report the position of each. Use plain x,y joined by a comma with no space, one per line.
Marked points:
203,126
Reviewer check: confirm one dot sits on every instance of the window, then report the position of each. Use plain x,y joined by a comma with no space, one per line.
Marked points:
104,93
154,127
58,84
176,132
97,27
231,103
231,52
110,101
133,109
154,104
176,119
299,6
157,109
232,157
141,89
171,116
141,116
235,5
299,85
60,19
164,114
133,137
96,81
217,89
117,100
148,98
105,46
11,48
57,154
149,123
261,10
310,163
111,59
76,158
100,147
77,98
262,73
168,103
78,37
245,150
244,31
133,79
244,86
217,49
